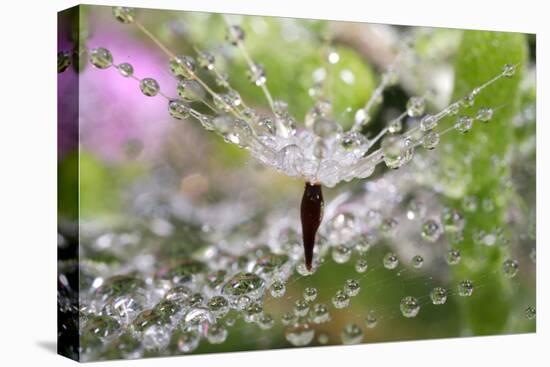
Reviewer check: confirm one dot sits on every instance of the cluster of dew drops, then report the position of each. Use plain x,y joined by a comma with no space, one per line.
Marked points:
174,307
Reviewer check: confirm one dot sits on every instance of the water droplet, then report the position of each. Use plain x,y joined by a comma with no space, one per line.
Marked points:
397,151
183,66
430,140
409,307
438,296
508,70
361,266
126,69
510,268
371,321
417,261
431,230
333,57
484,114
340,299
218,305
277,289
265,321
187,340
530,313
352,287
102,326
101,58
362,117
465,288
243,283
323,339
256,74
320,313
390,261
206,60
341,254
463,124
469,203
190,90
178,109
252,312
453,221
352,334
428,122
299,335
468,100
395,126
149,87
301,308
288,318
216,334
155,337
63,61
453,257
416,106
453,109
310,294
235,34
124,14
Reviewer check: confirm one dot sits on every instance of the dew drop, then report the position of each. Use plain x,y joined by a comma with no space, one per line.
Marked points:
178,109
183,66
417,261
397,151
149,87
257,75
124,14
468,100
508,70
341,254
218,305
361,266
395,126
428,122
453,221
235,34
216,334
416,106
206,60
362,117
352,334
430,140
431,230
340,299
310,294
288,318
190,90
277,289
243,283
352,287
438,296
409,307
465,288
300,335
390,261
101,58
63,61
510,268
371,321
320,313
484,114
266,321
463,124
301,308
126,69
453,257
530,313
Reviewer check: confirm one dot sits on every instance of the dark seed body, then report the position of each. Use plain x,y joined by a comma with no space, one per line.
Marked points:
311,212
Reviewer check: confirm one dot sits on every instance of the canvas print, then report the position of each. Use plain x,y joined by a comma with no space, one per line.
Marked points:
237,182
